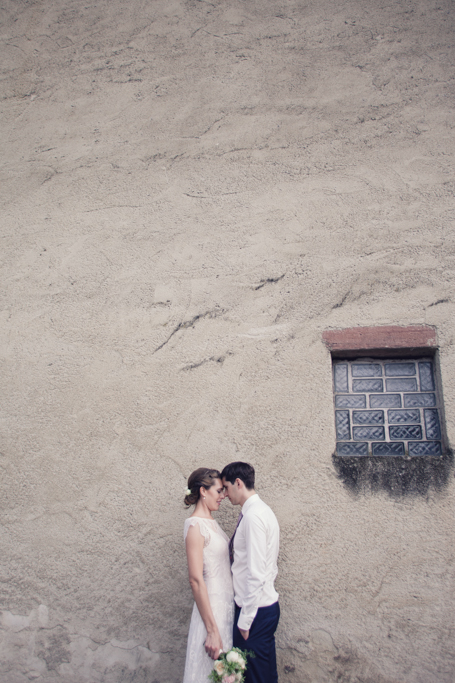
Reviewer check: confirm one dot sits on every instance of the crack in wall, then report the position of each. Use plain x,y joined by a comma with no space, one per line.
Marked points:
267,281
439,301
213,359
191,323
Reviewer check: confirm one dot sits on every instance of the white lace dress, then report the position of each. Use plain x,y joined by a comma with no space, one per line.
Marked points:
218,579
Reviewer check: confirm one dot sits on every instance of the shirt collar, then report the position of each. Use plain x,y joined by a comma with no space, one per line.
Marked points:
249,502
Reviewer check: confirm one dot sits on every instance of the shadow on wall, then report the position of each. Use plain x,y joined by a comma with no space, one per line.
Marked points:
400,476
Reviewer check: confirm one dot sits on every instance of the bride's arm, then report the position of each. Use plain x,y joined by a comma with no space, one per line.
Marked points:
194,553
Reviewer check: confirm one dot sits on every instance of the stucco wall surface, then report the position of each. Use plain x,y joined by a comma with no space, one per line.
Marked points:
192,193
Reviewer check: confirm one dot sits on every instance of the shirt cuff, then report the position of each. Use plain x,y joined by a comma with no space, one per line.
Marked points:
244,622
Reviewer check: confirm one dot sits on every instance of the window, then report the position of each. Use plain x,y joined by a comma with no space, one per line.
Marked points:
386,395
386,407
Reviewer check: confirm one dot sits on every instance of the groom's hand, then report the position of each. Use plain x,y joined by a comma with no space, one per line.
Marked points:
245,634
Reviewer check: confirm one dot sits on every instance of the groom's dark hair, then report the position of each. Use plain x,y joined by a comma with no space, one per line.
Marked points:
239,470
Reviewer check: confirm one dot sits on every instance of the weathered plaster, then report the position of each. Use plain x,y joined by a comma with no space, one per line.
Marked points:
192,193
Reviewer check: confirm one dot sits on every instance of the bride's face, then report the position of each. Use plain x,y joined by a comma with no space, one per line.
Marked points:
214,495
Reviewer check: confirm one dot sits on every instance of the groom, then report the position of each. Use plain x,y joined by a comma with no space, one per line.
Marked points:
254,552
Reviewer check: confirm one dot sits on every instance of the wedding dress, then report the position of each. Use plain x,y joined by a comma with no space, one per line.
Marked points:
218,579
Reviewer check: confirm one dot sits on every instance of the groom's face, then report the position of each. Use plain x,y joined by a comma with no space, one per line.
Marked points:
232,491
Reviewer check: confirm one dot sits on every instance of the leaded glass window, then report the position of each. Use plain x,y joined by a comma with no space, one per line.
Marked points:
386,407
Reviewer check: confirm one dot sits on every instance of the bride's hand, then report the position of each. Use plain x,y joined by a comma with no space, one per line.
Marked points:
213,645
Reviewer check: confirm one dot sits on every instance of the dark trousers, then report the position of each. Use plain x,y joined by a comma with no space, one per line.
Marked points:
262,667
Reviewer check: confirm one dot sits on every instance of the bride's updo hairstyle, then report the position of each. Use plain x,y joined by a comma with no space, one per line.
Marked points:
203,476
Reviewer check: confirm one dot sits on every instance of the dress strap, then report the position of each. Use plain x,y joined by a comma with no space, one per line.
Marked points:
203,528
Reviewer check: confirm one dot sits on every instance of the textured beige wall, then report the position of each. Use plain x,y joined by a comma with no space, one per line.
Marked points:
192,192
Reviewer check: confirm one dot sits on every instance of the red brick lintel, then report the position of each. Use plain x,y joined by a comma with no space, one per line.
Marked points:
384,338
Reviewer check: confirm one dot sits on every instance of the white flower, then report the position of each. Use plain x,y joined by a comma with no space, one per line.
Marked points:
187,492
235,658
219,667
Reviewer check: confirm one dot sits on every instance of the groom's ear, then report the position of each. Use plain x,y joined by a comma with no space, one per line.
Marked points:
238,483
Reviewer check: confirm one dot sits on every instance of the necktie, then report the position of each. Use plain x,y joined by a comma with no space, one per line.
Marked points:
231,542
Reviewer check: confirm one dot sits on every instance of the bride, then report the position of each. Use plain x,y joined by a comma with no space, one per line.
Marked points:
210,577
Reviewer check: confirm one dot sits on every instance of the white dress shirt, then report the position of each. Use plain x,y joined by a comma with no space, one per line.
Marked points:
256,545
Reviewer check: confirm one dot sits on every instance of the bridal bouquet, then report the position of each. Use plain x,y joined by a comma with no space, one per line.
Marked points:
229,667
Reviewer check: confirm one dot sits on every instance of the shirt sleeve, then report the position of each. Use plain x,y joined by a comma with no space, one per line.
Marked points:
256,549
